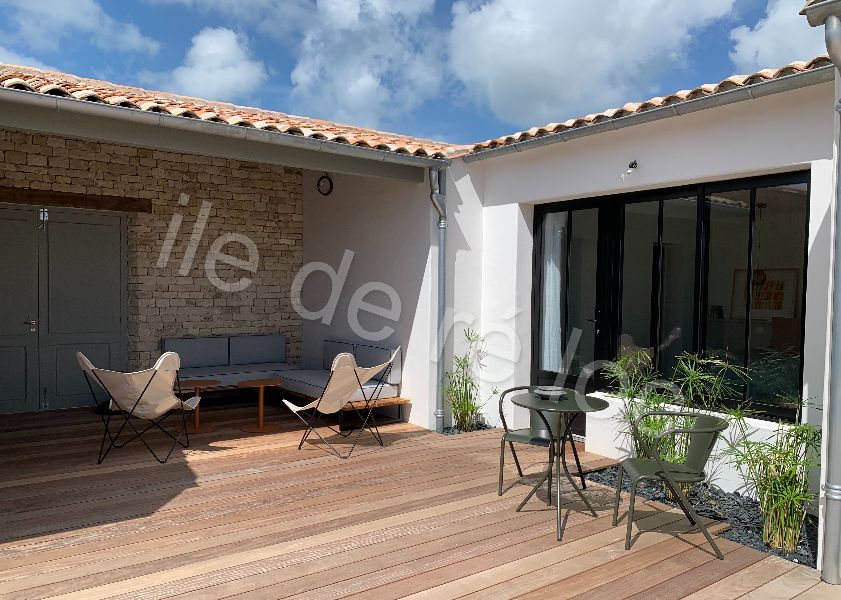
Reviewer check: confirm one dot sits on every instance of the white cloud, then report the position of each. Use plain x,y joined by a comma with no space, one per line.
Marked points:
366,61
534,61
780,37
281,19
10,57
218,66
42,24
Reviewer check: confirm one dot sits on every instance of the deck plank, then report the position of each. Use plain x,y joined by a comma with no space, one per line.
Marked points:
252,517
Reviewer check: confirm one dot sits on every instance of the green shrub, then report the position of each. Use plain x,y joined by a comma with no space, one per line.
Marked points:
777,472
460,387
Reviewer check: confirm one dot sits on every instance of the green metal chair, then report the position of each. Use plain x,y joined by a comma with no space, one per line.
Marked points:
535,435
702,438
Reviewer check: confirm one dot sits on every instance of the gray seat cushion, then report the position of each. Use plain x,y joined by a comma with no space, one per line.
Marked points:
199,351
331,349
209,372
256,349
311,382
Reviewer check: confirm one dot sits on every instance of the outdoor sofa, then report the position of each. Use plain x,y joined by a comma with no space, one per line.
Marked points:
236,358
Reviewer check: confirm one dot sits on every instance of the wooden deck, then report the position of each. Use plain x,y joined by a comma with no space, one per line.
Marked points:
250,516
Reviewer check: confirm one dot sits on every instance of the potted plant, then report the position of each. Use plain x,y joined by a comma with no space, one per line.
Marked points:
699,382
776,471
460,386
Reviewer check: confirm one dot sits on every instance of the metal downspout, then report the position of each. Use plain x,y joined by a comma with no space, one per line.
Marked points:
831,565
438,196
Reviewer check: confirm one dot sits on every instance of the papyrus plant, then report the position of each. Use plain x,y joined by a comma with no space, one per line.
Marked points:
777,472
460,386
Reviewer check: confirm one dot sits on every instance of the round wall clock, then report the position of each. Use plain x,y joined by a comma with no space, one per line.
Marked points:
325,185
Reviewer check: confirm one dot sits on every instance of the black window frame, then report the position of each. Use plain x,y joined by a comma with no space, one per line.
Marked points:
610,269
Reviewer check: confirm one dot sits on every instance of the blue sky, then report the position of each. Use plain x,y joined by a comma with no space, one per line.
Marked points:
461,71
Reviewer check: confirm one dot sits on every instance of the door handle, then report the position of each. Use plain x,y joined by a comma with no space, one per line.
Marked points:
32,324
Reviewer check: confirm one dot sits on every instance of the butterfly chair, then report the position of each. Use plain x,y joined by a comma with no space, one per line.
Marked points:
345,384
146,395
535,435
702,438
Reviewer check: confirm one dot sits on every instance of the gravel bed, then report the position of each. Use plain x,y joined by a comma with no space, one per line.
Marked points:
741,512
456,430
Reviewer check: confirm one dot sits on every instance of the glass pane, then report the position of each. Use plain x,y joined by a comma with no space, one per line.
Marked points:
727,274
776,294
554,266
581,297
639,262
677,294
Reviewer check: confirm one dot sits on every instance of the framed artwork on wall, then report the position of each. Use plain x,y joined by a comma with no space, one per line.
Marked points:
774,293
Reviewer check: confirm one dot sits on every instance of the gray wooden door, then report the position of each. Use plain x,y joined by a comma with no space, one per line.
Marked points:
80,287
18,307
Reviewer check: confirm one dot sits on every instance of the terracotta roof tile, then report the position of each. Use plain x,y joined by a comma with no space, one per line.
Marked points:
91,90
733,82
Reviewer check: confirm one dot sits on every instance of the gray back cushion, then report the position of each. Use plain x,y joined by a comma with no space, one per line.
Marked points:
369,356
331,349
252,349
199,351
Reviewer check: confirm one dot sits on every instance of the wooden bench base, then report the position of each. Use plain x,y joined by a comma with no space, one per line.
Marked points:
360,404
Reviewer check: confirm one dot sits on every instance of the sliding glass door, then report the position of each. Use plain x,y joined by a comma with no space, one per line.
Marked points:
716,269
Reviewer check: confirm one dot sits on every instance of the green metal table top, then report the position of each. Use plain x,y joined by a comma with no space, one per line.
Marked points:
571,403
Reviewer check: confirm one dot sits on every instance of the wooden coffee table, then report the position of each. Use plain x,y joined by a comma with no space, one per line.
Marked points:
197,385
261,385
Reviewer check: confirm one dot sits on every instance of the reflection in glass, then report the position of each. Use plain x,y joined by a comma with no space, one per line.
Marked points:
677,293
581,316
552,294
639,262
729,226
776,327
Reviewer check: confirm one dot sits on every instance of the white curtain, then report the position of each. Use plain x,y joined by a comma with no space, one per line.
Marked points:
554,263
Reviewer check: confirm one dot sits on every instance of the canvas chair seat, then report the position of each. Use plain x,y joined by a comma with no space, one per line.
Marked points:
147,394
345,383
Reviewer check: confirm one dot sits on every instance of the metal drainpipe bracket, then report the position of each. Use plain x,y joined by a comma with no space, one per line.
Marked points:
832,491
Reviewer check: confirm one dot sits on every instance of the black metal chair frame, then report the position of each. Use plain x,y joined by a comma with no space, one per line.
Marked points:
105,413
665,475
368,421
567,434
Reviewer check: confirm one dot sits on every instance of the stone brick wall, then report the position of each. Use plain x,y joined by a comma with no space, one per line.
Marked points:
262,202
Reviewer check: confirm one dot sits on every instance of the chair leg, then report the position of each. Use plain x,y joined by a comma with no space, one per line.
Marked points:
552,458
680,502
516,460
693,516
619,477
577,462
631,499
501,463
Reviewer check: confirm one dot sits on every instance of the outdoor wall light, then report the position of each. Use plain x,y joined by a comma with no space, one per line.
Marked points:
324,185
631,167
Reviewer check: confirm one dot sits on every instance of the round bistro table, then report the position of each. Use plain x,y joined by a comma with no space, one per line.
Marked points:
563,410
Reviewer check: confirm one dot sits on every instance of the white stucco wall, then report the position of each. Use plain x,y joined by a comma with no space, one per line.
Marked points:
775,134
780,133
389,226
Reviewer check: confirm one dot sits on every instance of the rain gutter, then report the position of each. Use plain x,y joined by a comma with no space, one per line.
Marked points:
73,106
750,92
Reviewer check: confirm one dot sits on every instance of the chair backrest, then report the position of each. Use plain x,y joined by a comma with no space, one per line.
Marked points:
346,378
701,443
147,394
